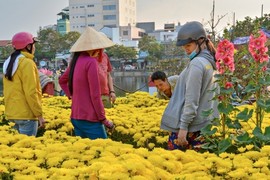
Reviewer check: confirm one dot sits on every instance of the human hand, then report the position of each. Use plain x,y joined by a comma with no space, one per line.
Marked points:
112,96
182,137
42,122
108,124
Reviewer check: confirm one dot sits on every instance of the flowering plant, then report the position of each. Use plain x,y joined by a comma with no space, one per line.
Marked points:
258,79
46,72
225,67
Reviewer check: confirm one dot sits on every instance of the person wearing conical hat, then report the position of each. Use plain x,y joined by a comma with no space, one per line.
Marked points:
80,82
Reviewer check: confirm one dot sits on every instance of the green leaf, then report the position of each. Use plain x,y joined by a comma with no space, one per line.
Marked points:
207,113
267,80
244,138
267,103
257,132
261,103
250,88
209,146
225,108
208,131
267,131
245,115
233,124
226,91
224,145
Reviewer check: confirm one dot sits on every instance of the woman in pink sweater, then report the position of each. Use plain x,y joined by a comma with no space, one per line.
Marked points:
80,82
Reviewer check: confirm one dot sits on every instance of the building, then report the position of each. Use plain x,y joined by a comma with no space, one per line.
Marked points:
169,33
63,24
147,26
101,13
127,36
131,32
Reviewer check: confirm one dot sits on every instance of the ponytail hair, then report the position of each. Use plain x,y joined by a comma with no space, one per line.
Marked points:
13,57
71,72
210,46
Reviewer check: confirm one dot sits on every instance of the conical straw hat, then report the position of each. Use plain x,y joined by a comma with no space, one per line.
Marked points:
91,39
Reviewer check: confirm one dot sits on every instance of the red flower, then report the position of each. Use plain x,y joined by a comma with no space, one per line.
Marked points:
224,56
258,49
228,85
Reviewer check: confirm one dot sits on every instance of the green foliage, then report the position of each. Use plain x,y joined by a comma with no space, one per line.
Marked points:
253,75
247,26
52,42
171,51
68,40
170,66
6,176
121,52
150,44
245,115
6,51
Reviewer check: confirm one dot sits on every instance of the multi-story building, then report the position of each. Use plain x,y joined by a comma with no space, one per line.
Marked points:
63,24
169,33
101,13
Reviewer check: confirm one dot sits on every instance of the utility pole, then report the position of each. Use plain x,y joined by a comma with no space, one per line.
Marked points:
212,23
232,33
262,11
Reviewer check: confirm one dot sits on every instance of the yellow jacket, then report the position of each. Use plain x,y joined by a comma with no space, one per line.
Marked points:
23,95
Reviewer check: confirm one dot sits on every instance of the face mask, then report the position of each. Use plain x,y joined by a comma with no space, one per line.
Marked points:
193,54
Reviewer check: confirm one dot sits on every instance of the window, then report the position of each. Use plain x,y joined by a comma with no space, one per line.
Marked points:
91,15
81,6
109,7
125,33
109,17
91,25
90,5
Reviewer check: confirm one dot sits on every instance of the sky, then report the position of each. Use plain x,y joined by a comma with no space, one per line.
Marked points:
29,15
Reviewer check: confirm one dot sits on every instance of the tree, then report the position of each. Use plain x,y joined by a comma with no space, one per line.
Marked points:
68,40
170,50
49,44
121,52
242,56
6,51
214,24
52,42
247,27
154,49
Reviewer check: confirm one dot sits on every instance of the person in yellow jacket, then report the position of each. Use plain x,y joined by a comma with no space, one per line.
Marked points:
22,90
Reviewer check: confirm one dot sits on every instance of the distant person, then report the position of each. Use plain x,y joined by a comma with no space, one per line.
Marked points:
194,92
165,86
80,83
47,84
105,79
22,89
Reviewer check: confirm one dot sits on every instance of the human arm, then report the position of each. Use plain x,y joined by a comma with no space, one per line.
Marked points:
31,86
193,85
94,90
111,88
110,80
182,137
93,83
63,82
41,121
